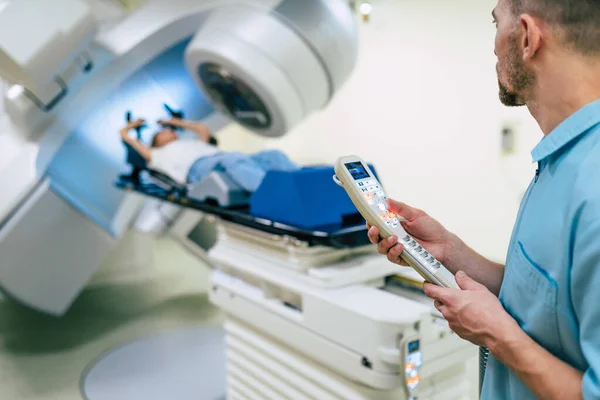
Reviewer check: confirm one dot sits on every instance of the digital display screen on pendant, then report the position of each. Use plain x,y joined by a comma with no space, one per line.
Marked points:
357,170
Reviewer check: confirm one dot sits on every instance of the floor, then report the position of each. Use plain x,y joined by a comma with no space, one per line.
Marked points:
43,357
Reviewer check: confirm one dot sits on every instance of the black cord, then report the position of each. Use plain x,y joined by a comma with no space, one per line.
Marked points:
484,354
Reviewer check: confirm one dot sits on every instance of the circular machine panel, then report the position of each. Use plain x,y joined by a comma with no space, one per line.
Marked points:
264,69
239,99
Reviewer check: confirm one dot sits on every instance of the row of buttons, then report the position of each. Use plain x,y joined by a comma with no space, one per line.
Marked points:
367,183
410,243
370,189
392,222
388,217
370,186
371,196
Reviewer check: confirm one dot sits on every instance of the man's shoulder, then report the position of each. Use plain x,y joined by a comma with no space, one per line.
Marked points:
588,166
585,189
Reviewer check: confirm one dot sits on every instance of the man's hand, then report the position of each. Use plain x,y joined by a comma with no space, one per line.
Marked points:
441,243
474,313
427,231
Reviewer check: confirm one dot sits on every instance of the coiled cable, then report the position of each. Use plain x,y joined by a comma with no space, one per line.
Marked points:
483,359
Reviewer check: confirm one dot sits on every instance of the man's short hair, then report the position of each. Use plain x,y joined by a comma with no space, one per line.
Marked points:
579,20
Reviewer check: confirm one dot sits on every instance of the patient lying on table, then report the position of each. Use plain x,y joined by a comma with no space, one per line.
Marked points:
188,160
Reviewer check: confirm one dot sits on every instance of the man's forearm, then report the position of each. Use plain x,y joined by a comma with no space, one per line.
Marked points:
545,375
462,258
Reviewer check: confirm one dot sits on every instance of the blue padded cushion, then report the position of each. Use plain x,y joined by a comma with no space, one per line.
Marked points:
308,198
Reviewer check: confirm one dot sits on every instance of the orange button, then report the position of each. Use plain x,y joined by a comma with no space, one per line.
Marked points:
414,380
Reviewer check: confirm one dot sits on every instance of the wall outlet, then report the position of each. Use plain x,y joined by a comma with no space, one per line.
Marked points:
508,138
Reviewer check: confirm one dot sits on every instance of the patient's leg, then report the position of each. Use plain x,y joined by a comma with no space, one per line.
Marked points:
246,170
274,160
240,167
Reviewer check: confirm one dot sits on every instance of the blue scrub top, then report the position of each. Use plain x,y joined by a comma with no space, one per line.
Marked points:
551,281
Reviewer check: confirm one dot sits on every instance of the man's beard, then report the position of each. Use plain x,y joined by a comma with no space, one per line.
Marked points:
520,79
508,98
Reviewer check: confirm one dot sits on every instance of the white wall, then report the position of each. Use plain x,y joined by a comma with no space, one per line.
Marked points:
423,106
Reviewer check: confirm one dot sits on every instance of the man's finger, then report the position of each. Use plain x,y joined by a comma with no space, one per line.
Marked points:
466,283
395,252
373,234
442,308
436,292
404,210
385,244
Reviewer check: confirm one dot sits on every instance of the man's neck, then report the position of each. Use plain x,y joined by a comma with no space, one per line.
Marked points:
558,95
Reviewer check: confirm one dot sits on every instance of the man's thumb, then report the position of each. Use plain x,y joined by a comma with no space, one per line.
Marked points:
465,282
403,210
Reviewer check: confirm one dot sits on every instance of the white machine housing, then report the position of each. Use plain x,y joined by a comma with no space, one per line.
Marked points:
336,314
266,69
55,37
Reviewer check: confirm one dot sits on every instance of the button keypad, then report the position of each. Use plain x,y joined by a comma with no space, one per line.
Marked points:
372,187
375,197
418,252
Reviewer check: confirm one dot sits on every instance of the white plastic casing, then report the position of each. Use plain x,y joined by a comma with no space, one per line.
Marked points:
57,31
264,53
289,69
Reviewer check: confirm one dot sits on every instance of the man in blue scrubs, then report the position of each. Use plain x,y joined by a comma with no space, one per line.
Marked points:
539,314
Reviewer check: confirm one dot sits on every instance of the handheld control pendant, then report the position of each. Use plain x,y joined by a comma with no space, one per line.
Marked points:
367,194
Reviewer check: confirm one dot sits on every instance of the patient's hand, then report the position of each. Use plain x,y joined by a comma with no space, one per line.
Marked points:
130,125
200,129
135,124
178,122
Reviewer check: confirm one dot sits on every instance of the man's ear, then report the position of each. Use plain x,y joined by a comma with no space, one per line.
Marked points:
531,36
